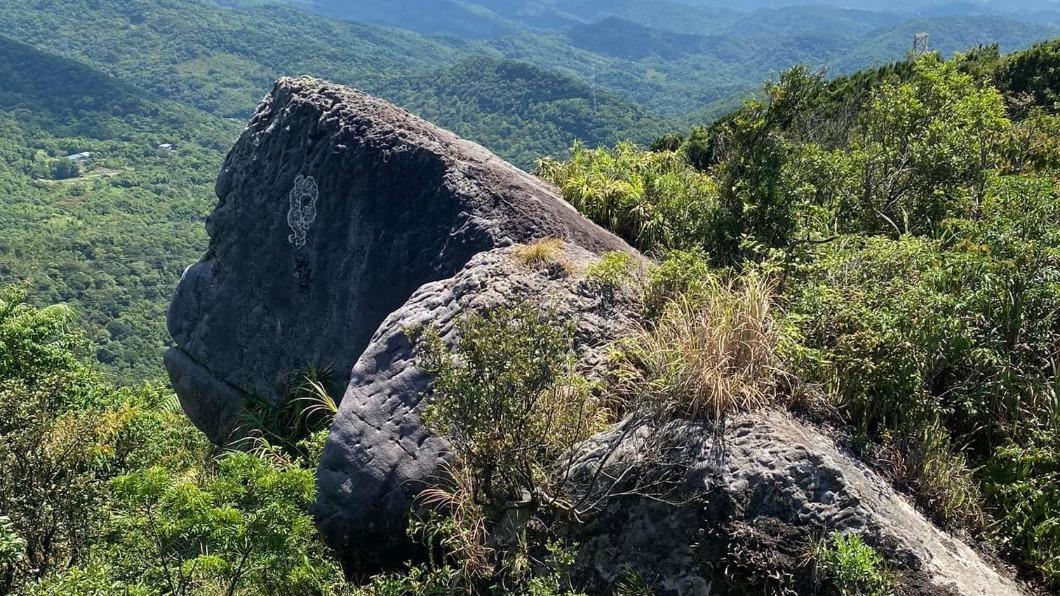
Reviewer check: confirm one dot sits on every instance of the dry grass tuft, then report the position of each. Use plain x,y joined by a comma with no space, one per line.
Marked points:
546,252
462,534
708,355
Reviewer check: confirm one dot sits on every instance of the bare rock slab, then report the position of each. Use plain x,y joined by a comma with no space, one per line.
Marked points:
756,494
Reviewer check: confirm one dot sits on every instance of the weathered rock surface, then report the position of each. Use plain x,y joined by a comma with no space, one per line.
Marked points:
378,455
754,496
334,208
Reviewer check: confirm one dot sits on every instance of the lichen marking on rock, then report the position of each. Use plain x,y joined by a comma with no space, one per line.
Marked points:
303,211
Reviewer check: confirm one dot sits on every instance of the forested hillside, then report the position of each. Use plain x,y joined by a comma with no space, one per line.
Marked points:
222,61
537,111
109,235
675,58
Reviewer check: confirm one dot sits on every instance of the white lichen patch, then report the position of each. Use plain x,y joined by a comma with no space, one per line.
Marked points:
303,210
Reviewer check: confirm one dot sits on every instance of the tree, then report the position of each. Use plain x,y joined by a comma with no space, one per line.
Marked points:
244,529
927,147
64,169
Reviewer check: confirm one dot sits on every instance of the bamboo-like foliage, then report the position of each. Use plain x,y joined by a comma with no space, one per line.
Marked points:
652,200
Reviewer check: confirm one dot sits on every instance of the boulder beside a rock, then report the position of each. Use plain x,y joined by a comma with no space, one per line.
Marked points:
334,208
379,455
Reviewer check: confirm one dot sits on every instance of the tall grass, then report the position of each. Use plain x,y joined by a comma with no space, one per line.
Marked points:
710,353
544,253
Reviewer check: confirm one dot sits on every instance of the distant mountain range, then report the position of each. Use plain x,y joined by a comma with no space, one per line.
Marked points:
628,68
480,19
680,57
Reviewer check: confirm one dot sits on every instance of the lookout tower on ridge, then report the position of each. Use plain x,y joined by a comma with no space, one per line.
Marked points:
920,44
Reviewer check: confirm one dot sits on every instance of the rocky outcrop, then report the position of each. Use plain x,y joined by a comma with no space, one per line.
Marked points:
379,455
334,207
753,498
344,221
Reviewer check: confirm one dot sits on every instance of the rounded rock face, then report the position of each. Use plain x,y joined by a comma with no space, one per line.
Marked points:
334,208
379,455
761,486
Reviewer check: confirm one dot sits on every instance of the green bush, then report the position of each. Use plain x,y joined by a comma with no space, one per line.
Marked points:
507,398
612,271
110,489
851,567
927,146
243,528
680,273
1033,72
652,200
1025,483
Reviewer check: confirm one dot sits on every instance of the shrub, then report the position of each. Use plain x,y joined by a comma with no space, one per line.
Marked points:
852,568
1024,480
420,580
114,491
242,529
56,440
1034,145
652,200
612,271
927,146
680,273
708,355
94,579
754,207
884,333
1034,72
508,400
12,548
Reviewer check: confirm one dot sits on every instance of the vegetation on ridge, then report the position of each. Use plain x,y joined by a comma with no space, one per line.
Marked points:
880,252
910,226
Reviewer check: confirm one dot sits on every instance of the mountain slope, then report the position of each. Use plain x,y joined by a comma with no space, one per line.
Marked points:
542,110
946,35
467,20
112,238
221,61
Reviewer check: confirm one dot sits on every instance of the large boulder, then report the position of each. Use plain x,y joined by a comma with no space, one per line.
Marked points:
334,208
743,506
379,455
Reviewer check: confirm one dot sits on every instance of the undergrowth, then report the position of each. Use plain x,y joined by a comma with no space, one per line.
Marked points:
852,568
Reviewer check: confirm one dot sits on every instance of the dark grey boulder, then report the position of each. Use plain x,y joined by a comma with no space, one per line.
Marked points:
752,497
334,207
378,455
